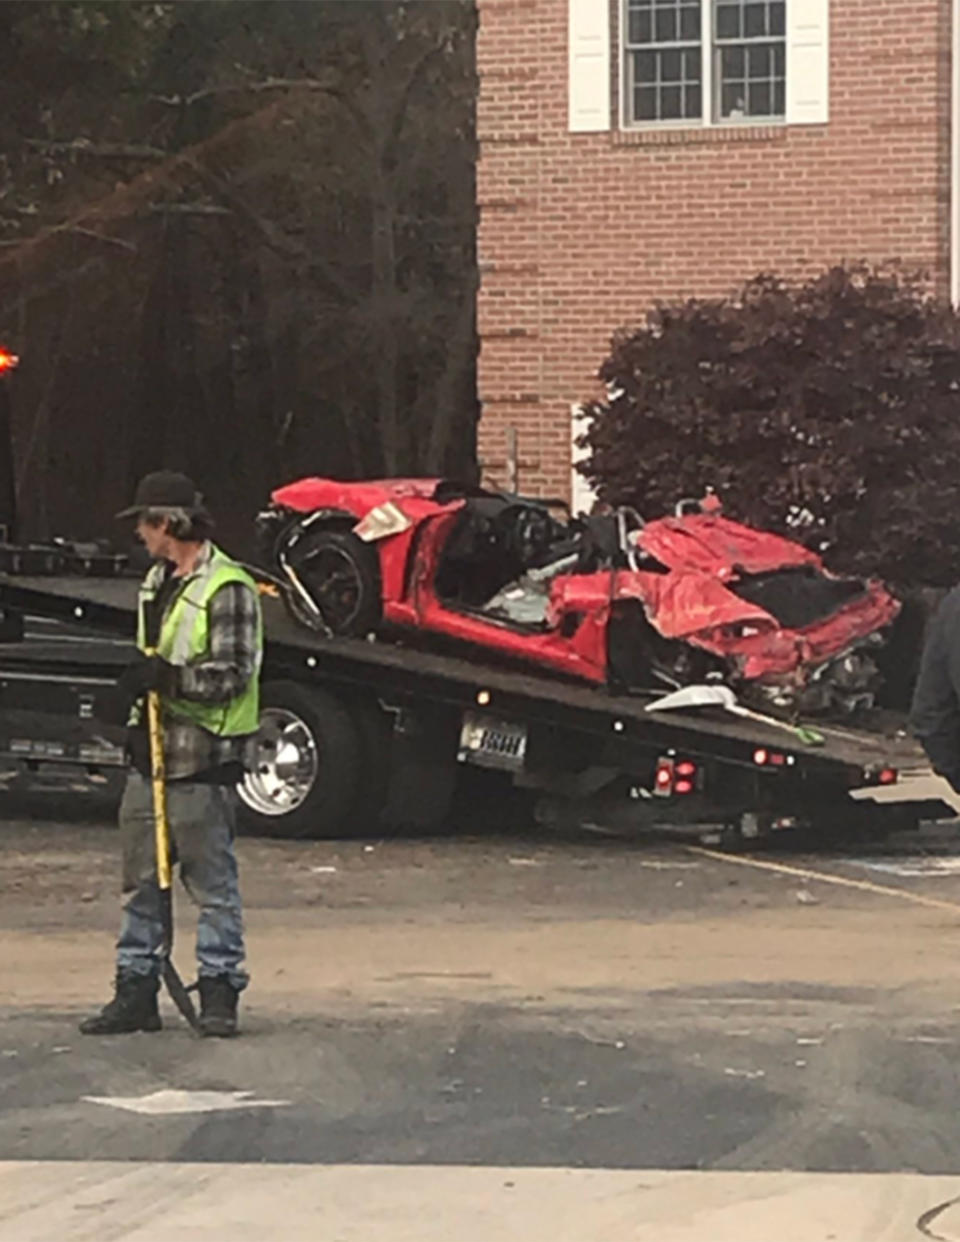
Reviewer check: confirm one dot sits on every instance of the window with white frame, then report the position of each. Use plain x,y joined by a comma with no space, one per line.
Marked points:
704,61
698,62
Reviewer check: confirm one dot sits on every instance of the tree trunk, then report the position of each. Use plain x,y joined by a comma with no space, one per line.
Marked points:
382,305
450,414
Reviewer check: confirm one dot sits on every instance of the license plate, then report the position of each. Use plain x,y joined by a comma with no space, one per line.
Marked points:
492,743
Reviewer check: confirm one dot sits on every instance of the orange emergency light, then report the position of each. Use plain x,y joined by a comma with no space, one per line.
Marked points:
8,361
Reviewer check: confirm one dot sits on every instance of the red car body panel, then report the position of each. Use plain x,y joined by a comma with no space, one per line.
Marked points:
413,497
584,654
688,599
305,495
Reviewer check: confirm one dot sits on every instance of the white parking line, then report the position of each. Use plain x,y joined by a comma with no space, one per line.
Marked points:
911,866
828,877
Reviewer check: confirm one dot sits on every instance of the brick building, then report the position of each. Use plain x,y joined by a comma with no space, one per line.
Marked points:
632,150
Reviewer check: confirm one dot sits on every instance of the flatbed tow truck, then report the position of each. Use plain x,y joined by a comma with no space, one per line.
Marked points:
356,734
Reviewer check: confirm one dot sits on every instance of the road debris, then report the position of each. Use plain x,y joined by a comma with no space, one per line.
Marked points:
602,1110
170,1101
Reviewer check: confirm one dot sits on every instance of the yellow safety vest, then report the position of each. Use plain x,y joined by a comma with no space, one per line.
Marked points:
185,639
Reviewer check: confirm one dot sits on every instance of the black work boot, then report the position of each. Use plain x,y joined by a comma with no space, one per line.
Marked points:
133,1008
218,1006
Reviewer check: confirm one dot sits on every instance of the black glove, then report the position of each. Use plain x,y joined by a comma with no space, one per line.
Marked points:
145,673
142,674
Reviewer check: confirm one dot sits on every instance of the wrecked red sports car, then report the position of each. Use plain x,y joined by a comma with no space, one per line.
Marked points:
610,599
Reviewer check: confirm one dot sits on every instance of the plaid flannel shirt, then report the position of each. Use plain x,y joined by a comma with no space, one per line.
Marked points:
233,621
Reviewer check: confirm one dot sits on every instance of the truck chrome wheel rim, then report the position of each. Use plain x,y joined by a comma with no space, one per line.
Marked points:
286,765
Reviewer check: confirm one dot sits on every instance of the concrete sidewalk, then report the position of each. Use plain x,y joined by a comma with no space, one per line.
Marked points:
131,1202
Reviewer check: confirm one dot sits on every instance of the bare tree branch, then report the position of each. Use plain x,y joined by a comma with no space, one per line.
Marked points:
328,88
400,114
100,150
188,209
243,88
77,230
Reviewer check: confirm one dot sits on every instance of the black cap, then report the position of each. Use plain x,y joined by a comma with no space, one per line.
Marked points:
164,489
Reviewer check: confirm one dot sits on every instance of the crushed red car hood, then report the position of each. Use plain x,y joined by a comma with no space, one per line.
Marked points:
695,600
714,545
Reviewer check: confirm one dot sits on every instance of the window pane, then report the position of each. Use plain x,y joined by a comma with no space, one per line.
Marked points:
671,103
646,103
732,63
640,27
690,22
645,66
759,99
758,61
732,103
754,21
728,21
666,26
750,58
671,66
666,76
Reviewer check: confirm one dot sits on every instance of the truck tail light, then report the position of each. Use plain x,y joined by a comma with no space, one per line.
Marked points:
674,776
880,776
663,780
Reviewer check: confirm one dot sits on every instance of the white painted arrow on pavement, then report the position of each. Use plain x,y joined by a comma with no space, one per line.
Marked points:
160,1103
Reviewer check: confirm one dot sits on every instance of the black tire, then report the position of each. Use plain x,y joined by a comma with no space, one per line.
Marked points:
316,719
342,574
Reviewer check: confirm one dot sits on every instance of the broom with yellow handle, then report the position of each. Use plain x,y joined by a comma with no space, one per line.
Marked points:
158,775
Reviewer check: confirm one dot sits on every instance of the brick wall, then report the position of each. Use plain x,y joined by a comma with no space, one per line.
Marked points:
580,233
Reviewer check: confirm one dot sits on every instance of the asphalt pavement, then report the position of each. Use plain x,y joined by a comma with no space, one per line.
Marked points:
642,1039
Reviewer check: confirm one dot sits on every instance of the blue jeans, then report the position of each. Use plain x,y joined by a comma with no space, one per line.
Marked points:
202,822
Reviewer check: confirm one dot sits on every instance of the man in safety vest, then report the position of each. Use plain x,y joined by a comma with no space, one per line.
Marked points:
201,613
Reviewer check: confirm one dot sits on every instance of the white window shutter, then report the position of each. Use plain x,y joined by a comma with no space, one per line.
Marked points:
589,51
808,62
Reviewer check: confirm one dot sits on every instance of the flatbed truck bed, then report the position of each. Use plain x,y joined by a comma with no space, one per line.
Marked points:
360,731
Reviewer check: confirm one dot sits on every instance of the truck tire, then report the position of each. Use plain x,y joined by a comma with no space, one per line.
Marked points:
308,765
342,574
375,730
